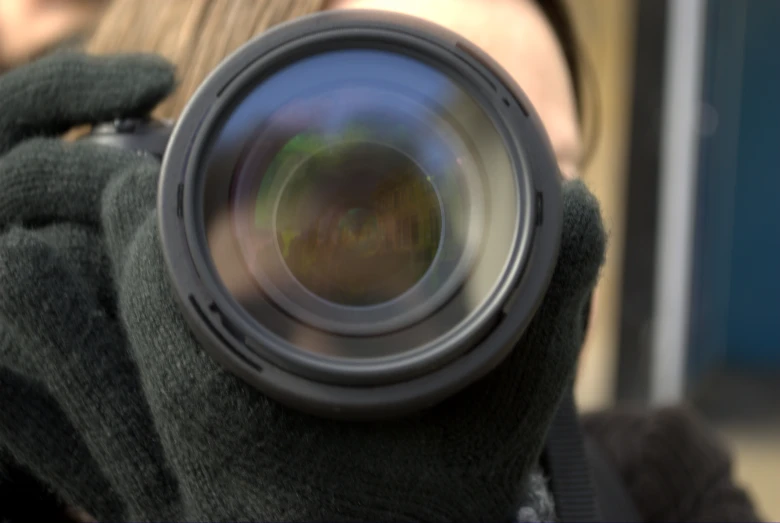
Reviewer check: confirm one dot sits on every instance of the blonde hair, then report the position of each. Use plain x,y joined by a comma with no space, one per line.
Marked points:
195,35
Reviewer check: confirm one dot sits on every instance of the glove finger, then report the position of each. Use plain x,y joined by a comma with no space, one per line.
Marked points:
128,200
560,318
541,367
41,438
209,422
70,345
83,248
555,334
583,246
198,408
552,341
66,89
45,180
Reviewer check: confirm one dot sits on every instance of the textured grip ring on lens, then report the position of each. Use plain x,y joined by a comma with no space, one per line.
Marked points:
348,206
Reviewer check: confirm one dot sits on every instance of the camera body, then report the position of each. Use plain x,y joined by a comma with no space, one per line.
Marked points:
135,134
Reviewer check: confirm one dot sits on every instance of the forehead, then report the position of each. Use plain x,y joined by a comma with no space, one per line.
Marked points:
518,36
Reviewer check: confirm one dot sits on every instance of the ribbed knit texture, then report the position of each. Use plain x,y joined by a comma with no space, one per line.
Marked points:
674,466
108,399
537,505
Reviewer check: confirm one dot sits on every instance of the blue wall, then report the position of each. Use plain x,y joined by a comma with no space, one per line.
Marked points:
735,320
754,297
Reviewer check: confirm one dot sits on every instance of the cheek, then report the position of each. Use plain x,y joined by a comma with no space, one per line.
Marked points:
569,170
562,128
532,57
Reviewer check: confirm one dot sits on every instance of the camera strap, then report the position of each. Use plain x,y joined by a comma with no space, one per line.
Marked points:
585,485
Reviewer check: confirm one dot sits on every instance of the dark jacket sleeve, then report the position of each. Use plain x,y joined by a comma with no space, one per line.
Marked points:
673,465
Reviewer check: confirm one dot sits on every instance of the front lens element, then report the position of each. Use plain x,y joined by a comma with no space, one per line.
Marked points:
356,200
358,223
347,192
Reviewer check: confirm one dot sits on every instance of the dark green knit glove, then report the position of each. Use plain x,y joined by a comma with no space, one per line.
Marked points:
130,419
57,421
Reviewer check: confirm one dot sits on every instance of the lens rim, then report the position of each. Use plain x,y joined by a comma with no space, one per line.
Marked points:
362,393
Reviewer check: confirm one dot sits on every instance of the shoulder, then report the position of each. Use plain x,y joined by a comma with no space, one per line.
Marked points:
674,465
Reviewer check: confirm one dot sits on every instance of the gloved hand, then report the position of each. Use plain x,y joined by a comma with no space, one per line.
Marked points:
58,422
107,396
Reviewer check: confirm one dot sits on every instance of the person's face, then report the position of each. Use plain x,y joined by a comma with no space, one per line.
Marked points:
28,27
519,37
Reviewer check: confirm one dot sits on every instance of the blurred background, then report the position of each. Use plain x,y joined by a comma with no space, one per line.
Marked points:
686,124
687,167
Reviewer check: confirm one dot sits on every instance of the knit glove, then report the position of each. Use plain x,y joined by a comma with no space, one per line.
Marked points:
108,397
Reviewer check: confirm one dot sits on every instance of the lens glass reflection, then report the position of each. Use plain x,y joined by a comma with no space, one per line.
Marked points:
357,223
355,190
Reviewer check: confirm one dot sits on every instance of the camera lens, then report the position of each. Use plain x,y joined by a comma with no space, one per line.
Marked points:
359,213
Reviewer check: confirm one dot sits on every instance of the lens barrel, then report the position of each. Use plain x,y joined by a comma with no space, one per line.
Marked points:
360,213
